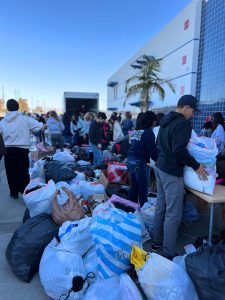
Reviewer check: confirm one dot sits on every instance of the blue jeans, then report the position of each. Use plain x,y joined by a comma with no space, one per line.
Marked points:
67,139
97,155
139,181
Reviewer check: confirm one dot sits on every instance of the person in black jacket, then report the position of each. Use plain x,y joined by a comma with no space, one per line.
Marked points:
95,137
173,137
143,147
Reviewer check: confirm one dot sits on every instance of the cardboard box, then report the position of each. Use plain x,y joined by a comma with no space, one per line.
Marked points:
219,217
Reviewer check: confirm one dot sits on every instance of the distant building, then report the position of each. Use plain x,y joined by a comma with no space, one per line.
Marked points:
192,46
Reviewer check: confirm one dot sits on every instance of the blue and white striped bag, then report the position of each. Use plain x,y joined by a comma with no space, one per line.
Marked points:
114,233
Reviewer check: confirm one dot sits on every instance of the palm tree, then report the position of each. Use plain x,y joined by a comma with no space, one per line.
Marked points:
146,82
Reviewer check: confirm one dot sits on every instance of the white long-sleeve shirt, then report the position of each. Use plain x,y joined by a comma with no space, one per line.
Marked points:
16,129
117,131
80,125
219,135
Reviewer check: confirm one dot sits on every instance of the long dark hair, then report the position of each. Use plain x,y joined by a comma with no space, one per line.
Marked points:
159,116
66,117
54,115
148,119
138,121
218,120
75,118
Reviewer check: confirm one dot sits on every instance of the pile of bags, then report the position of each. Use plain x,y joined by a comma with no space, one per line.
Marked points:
85,245
204,150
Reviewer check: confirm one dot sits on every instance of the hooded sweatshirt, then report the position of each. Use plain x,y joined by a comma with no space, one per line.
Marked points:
143,145
55,126
174,135
16,129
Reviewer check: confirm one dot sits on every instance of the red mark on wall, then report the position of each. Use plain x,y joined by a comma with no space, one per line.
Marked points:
182,90
184,60
186,24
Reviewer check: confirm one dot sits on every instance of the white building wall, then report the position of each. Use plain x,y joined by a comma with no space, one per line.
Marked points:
172,43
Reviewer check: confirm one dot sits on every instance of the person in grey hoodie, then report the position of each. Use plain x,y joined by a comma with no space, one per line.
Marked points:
16,129
55,128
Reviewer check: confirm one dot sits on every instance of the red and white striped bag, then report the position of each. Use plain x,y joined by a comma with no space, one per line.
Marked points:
117,173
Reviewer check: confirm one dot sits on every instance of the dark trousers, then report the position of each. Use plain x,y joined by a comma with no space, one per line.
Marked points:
41,136
139,181
17,169
57,140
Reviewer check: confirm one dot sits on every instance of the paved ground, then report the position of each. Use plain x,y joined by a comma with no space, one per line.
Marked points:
11,213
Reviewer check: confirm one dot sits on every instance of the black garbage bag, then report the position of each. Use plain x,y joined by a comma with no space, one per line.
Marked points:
121,192
87,170
26,215
206,268
59,171
203,240
27,245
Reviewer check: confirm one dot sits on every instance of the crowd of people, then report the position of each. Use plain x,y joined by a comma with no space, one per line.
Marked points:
160,138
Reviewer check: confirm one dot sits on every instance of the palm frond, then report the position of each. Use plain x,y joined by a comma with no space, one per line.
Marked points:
147,81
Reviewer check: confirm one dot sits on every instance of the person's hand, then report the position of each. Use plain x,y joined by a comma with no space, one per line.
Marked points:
202,174
99,146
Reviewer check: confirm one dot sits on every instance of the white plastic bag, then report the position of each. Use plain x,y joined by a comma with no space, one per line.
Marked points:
57,270
40,200
62,197
147,215
115,288
144,232
76,236
180,261
102,208
114,232
88,189
203,149
192,180
79,177
90,264
38,169
83,163
64,156
108,156
75,188
162,279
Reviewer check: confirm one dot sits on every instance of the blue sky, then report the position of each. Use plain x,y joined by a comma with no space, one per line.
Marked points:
51,46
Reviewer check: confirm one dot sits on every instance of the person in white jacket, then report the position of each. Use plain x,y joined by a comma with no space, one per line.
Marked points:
117,129
77,129
15,129
218,131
